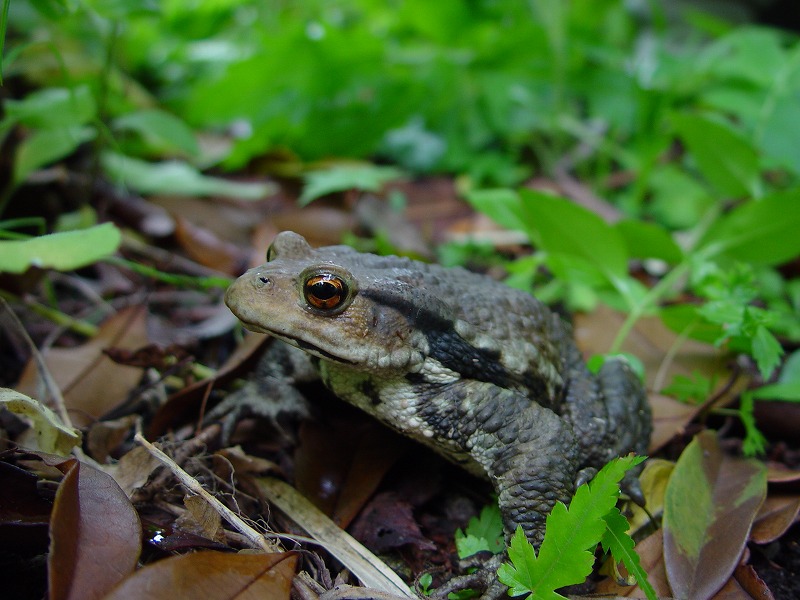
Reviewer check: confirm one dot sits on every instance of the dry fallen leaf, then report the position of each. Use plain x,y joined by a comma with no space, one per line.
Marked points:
91,383
212,576
776,515
339,465
95,535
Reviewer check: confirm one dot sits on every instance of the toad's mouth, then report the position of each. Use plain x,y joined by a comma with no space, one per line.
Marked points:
303,345
297,342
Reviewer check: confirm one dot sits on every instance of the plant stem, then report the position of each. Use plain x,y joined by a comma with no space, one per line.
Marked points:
56,316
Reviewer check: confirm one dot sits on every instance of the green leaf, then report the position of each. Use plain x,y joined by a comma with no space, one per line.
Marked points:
786,391
53,107
501,205
696,387
340,178
760,232
617,540
565,555
484,533
710,503
60,251
649,240
519,575
52,435
725,158
766,350
563,228
754,443
45,146
160,129
175,177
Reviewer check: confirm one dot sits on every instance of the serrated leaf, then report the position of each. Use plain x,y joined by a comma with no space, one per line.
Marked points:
61,251
565,557
725,158
52,436
711,501
160,129
766,350
176,177
339,178
617,540
519,576
761,232
46,146
483,533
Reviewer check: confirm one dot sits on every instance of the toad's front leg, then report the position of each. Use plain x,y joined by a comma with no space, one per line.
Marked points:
527,451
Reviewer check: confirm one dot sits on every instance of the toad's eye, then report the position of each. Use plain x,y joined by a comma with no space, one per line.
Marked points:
271,252
325,291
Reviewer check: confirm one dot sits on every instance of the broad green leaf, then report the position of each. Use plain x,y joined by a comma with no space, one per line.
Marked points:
710,503
52,435
786,391
724,157
339,178
562,227
790,372
648,240
617,540
175,177
160,129
60,251
761,232
53,107
45,146
502,205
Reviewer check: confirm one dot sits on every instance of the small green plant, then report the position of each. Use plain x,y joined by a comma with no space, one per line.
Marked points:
483,533
566,555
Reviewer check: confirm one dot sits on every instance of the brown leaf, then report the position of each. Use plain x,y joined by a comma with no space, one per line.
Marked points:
780,473
387,523
710,504
92,384
747,577
95,535
732,590
212,576
203,246
776,515
669,418
340,464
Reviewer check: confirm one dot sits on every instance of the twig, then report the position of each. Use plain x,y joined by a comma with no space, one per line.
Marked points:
254,537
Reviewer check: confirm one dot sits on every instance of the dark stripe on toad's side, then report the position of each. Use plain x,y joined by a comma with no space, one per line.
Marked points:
446,346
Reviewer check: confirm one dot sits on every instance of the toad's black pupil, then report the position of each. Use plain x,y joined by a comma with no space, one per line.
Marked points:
324,290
